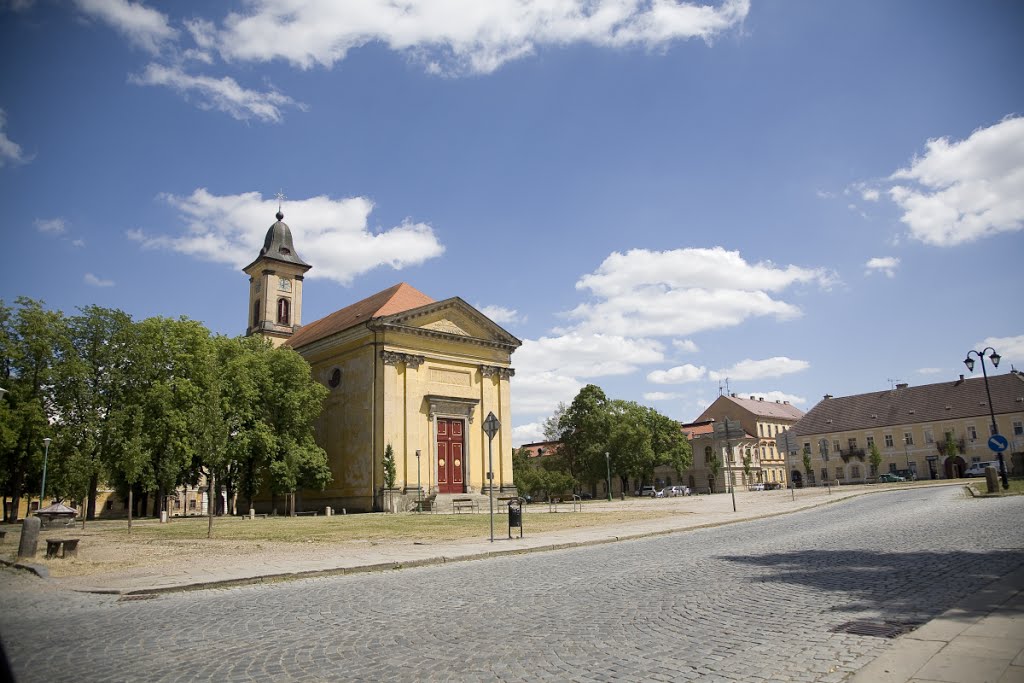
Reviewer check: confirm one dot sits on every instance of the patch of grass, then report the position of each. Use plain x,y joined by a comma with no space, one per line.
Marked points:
364,527
1016,487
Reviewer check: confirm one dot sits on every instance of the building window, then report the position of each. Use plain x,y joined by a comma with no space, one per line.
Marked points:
824,474
760,429
929,438
835,446
852,443
807,446
839,473
1018,427
888,440
975,460
972,433
908,438
991,429
913,468
871,441
707,454
892,468
284,314
256,313
855,472
874,471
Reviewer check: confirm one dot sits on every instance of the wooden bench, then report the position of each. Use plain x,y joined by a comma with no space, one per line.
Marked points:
504,501
460,504
306,513
66,547
261,515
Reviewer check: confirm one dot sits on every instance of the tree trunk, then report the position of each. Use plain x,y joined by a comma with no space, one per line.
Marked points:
15,504
90,510
213,503
131,502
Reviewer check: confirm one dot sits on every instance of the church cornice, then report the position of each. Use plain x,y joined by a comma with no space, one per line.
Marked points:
381,326
492,370
408,359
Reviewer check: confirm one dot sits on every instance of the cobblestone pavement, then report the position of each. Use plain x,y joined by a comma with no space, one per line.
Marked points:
754,601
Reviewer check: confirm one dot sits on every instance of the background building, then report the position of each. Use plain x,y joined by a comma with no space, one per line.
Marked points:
913,427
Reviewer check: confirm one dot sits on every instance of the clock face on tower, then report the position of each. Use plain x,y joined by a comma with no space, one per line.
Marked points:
284,285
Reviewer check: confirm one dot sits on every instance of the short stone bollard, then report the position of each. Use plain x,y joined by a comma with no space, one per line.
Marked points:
992,479
328,511
29,542
252,513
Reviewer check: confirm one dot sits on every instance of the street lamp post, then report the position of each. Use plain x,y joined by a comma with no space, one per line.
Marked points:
608,464
969,362
46,456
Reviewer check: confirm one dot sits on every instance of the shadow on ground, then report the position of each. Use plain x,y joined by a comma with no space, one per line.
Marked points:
894,586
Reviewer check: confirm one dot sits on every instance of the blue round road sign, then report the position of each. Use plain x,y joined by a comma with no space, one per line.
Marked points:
997,443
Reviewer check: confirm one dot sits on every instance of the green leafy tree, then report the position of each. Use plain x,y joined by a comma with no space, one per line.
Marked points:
33,341
631,440
747,465
584,431
875,458
669,443
390,472
807,461
88,394
714,466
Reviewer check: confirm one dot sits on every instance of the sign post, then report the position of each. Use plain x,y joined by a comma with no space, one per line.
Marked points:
726,430
491,427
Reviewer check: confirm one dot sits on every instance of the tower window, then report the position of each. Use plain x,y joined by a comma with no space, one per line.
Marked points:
256,313
283,312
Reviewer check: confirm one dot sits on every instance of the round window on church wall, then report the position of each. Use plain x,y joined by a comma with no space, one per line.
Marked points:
335,379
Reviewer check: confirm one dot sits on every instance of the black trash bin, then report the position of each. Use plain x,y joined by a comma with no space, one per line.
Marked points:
515,516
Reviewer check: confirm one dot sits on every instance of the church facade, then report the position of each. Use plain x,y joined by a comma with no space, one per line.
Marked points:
403,370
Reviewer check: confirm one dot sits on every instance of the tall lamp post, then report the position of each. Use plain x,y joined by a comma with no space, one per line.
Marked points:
608,464
46,456
969,362
823,447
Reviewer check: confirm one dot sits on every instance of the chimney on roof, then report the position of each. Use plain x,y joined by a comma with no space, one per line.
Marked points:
751,398
785,403
904,385
778,401
761,399
828,396
733,395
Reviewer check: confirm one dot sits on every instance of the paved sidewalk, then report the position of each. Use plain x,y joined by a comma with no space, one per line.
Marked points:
981,640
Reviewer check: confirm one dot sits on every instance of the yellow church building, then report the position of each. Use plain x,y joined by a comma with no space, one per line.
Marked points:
402,369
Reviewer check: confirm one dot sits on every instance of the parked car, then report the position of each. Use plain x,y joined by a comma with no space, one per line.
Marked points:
978,468
756,487
773,486
648,492
673,491
907,475
889,478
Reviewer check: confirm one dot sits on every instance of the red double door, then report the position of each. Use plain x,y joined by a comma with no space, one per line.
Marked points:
450,463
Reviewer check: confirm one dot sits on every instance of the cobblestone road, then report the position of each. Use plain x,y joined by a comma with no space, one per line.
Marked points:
747,602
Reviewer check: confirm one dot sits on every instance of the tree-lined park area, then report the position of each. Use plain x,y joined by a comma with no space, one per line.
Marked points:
143,407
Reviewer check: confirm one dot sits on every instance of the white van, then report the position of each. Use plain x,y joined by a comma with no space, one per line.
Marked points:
978,468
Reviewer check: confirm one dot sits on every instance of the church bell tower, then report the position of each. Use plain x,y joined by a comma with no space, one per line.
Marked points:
275,286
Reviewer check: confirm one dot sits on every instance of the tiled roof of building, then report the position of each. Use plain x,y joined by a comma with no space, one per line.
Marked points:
778,410
695,429
396,299
904,404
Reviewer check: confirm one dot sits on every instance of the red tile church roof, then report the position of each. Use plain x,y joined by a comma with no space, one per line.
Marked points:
396,299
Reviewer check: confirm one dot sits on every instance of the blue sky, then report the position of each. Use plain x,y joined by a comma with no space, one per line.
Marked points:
802,197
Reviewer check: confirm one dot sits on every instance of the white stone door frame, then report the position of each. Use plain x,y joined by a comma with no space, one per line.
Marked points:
452,408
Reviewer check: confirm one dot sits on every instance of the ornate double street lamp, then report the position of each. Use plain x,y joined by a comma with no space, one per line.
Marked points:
996,441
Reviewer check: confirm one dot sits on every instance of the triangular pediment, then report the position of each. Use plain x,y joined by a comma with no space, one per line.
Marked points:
452,317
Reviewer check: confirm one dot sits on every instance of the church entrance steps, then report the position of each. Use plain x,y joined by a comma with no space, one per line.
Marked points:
449,503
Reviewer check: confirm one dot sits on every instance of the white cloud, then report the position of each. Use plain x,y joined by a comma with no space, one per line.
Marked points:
869,194
530,432
587,355
883,264
53,226
681,374
539,393
94,281
683,291
223,94
459,37
501,315
661,396
760,369
929,371
330,234
144,27
78,243
964,190
775,396
685,345
1011,349
10,151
